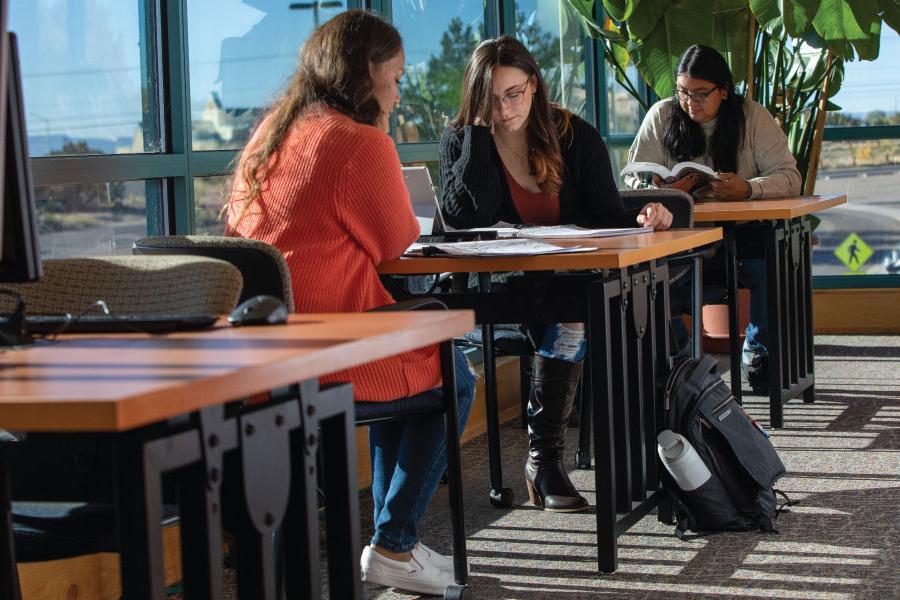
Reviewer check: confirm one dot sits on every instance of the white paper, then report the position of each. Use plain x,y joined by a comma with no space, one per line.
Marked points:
513,247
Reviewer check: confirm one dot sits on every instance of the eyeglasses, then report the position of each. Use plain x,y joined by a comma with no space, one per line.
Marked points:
514,99
698,97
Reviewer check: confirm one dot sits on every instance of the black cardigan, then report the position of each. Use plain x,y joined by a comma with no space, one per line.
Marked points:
476,193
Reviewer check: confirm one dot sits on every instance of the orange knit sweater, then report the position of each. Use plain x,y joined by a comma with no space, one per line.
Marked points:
335,204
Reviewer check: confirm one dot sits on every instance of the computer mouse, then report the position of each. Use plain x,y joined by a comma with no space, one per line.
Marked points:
259,310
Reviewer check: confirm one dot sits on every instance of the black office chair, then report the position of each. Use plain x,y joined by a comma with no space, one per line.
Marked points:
262,266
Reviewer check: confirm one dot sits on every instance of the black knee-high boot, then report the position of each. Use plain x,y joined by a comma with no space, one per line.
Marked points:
553,385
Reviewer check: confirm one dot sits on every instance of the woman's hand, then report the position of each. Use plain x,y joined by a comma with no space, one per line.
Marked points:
655,215
730,187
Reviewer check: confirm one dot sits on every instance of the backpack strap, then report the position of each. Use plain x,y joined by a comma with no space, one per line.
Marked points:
706,364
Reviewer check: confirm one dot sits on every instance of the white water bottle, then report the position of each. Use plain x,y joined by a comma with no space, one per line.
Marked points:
681,460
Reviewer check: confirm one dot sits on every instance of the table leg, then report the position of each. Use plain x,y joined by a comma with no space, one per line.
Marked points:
620,393
696,308
731,281
265,455
200,509
9,575
500,496
637,384
600,296
775,264
139,511
454,466
809,394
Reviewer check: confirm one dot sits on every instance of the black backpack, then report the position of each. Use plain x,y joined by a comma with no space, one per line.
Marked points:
739,496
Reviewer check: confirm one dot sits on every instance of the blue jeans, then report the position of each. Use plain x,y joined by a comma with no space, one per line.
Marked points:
752,275
408,459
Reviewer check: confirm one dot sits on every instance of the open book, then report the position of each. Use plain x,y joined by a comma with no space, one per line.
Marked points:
704,173
507,247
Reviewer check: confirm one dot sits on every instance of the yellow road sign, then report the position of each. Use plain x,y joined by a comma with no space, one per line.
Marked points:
853,252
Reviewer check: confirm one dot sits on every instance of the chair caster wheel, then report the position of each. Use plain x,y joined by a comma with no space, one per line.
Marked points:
458,592
502,498
582,460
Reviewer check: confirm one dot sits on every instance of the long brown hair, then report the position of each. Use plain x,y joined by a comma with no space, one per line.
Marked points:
332,71
546,122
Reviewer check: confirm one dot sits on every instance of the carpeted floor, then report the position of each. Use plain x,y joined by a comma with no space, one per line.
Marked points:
843,459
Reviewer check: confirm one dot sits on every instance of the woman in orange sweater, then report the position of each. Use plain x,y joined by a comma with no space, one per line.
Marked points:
320,180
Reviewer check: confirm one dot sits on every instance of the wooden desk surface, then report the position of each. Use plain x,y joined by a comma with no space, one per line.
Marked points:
114,382
609,253
755,210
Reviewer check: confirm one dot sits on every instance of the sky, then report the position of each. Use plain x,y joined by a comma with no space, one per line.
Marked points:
82,75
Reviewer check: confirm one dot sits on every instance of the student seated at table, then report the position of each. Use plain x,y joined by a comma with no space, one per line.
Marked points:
705,121
320,180
510,155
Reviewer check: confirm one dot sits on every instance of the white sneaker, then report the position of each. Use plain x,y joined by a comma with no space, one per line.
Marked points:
438,560
417,575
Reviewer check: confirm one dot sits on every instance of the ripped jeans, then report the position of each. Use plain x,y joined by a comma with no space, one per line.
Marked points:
564,341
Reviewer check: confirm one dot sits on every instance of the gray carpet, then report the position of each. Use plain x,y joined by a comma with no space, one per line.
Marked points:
839,542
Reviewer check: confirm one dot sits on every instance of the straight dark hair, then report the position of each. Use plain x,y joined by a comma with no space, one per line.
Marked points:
333,72
547,123
683,137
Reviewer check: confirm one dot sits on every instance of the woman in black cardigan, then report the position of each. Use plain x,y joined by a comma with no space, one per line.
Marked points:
509,155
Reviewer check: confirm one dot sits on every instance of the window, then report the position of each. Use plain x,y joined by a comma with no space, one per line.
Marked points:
84,84
86,219
861,158
209,198
438,38
239,64
624,113
551,30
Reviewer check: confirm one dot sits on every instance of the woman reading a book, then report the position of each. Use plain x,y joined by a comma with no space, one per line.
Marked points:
510,155
708,123
321,181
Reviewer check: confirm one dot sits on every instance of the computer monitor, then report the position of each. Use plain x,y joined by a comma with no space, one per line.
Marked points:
20,257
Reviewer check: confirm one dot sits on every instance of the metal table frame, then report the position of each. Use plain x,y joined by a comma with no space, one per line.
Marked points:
788,258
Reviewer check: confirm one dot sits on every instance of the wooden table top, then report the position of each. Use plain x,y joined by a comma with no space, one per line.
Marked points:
115,382
756,210
609,253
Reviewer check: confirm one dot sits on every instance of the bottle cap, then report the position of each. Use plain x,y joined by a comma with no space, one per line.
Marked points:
667,439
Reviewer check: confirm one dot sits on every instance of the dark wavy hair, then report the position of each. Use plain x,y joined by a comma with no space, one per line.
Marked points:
332,71
683,137
547,123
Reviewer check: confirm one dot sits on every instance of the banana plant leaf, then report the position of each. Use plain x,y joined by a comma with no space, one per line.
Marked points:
794,15
890,13
844,19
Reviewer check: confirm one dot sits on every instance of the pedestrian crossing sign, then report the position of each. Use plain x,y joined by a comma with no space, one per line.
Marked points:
853,252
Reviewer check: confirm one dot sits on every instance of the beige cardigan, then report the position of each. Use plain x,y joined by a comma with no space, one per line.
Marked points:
764,159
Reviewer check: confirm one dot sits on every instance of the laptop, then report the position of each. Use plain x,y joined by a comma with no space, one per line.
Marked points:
51,324
422,195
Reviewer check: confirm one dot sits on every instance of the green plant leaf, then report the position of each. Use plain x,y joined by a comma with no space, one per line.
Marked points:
796,15
620,10
842,19
890,12
832,107
868,49
731,18
644,21
584,7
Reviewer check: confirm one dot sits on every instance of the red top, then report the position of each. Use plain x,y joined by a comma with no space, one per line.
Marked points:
535,208
335,204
